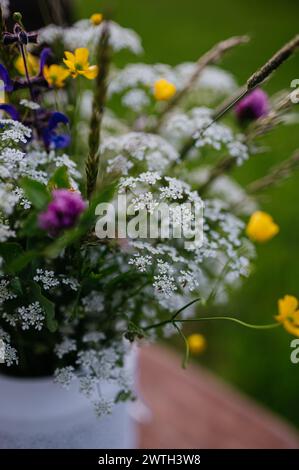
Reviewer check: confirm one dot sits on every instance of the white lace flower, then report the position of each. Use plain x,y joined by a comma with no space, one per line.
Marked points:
46,278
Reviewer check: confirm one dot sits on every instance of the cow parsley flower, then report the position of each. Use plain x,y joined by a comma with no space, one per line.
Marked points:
65,347
93,302
10,355
31,316
30,104
141,262
71,282
151,149
14,131
46,278
103,407
65,376
136,100
5,292
6,232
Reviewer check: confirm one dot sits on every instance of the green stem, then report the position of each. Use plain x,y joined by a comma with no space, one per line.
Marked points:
187,349
232,319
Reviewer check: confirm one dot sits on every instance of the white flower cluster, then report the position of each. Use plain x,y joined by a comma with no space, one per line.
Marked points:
30,104
5,231
197,124
5,292
46,278
14,131
150,151
85,34
136,81
65,347
31,316
8,354
95,367
49,280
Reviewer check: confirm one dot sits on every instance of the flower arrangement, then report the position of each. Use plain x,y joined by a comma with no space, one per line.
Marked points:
77,132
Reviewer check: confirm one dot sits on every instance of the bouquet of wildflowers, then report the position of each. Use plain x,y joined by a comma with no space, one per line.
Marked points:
118,211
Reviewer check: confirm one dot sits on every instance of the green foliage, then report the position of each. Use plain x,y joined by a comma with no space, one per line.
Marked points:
36,192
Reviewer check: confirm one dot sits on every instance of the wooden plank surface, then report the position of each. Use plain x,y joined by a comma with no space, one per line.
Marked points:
194,409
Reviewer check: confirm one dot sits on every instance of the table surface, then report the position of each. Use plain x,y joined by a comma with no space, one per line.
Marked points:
192,408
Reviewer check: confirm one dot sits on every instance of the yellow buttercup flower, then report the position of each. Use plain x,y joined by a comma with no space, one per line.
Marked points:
78,64
32,64
164,90
261,227
197,343
96,19
56,75
289,314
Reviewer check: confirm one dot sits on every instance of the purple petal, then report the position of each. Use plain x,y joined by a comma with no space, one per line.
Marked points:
56,119
9,38
11,110
60,141
46,52
253,106
4,76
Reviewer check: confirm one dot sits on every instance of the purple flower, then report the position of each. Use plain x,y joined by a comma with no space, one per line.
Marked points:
4,76
11,110
62,212
51,138
253,106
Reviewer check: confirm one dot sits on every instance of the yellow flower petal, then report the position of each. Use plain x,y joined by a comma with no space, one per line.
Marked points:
70,66
287,306
81,56
70,56
261,227
90,73
32,64
291,327
288,314
55,75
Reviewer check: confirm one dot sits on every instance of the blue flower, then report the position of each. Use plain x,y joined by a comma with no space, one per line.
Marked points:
11,110
50,136
46,52
4,76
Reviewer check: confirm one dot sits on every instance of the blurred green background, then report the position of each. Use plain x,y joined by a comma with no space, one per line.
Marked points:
174,31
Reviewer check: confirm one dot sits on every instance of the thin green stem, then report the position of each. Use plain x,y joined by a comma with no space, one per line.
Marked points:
187,349
232,319
174,316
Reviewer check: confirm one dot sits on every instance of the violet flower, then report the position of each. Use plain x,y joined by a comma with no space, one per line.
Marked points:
11,111
50,136
253,106
62,212
4,76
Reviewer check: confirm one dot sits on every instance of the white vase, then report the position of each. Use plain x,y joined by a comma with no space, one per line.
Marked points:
39,414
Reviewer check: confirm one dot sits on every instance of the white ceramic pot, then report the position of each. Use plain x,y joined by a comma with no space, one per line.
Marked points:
39,414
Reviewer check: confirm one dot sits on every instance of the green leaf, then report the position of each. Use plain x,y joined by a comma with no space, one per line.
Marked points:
30,227
36,192
46,304
60,179
16,286
10,250
19,263
15,257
